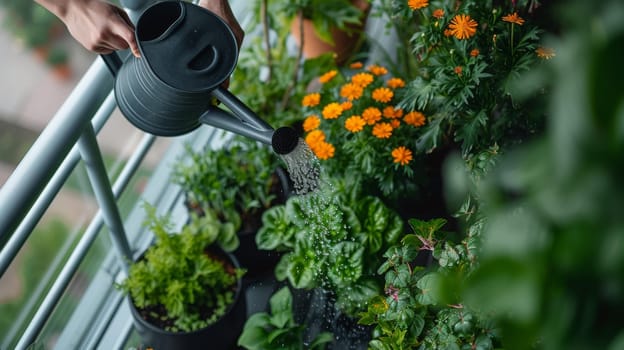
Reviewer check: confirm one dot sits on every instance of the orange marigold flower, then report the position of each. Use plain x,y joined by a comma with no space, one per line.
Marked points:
351,91
346,105
438,13
356,65
414,118
395,123
312,122
463,27
362,79
398,112
355,123
324,150
371,115
382,130
474,53
402,155
448,32
514,18
311,100
395,83
332,111
377,70
314,137
545,53
382,94
458,70
328,76
417,4
390,112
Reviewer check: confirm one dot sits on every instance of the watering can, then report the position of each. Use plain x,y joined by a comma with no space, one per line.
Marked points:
187,52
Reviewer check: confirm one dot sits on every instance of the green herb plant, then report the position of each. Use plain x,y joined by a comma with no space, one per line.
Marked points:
237,181
278,330
179,275
421,307
332,244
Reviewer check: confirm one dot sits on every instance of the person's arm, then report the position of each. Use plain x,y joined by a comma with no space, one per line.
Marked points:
97,25
222,9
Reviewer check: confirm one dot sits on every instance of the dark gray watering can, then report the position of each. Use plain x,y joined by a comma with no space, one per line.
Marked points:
187,52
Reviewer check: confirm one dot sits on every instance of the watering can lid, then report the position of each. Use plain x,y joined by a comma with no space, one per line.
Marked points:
186,46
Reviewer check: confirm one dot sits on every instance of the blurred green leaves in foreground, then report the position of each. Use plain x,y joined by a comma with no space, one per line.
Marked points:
552,261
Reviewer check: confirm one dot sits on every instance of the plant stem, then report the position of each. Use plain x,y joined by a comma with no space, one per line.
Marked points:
295,74
265,29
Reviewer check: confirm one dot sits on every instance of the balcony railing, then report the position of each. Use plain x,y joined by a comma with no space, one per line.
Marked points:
100,320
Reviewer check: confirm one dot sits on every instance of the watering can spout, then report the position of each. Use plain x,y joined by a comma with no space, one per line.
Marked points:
245,122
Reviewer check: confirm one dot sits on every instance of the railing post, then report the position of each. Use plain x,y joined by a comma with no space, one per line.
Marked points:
103,191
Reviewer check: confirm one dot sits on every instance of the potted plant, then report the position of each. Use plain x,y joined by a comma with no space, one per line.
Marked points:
322,26
278,330
419,307
185,291
331,244
59,61
238,182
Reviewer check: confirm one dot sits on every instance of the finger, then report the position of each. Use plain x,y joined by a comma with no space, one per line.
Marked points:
125,30
102,50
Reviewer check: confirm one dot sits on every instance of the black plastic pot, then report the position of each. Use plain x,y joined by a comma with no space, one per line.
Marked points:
222,335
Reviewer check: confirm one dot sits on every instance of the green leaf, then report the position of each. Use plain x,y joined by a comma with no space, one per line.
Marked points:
281,308
427,285
254,336
320,340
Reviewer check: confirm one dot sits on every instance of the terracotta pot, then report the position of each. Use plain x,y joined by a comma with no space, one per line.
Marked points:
344,43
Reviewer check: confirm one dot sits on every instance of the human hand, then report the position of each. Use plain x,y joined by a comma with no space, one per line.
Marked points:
97,25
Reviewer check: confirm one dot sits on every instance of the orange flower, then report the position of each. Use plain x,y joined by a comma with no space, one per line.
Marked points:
395,123
448,32
382,130
514,18
351,91
310,123
355,123
315,137
382,94
346,105
402,155
390,112
417,4
398,112
328,76
458,70
311,100
438,13
395,83
463,27
332,111
362,79
377,70
414,118
545,53
356,65
474,53
371,115
324,150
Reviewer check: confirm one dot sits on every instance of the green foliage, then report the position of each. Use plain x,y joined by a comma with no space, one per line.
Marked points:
551,268
422,307
57,56
274,94
324,14
278,330
331,242
463,85
179,273
234,181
